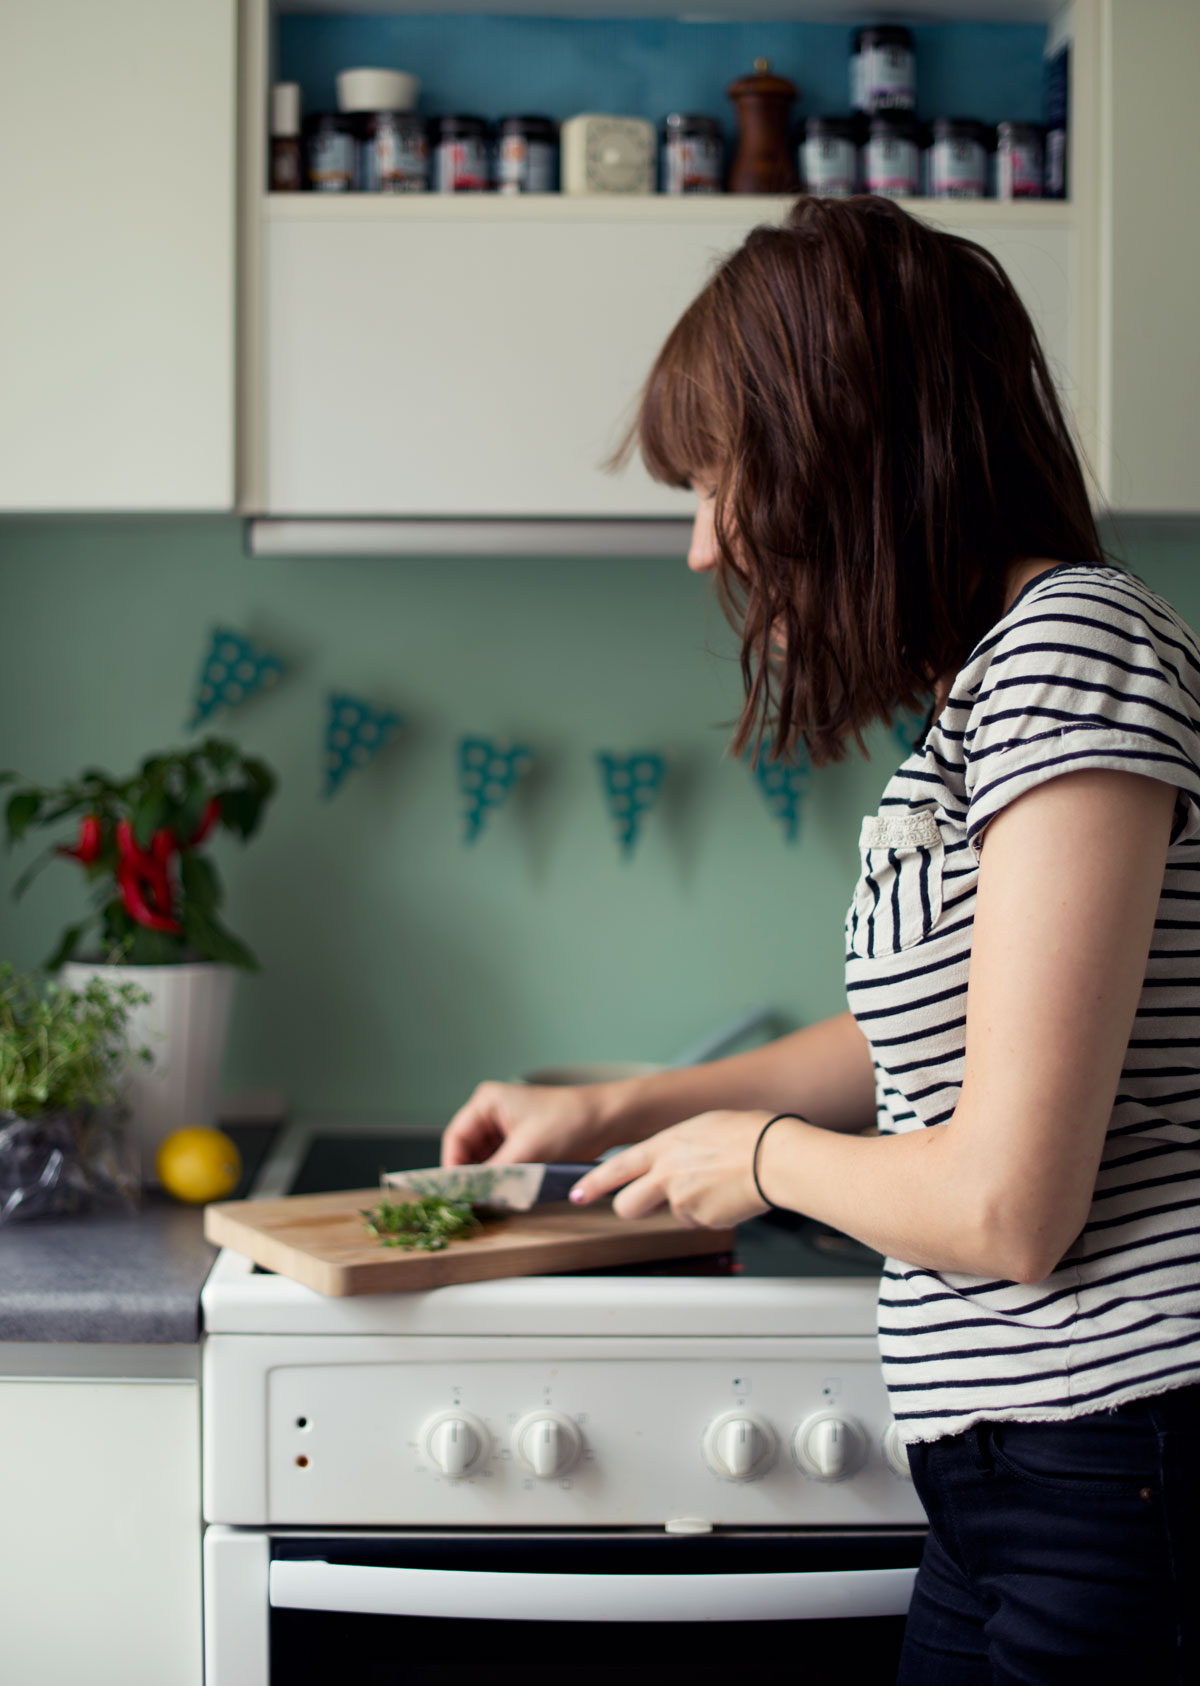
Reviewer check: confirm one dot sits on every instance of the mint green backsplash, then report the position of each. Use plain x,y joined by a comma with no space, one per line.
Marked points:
400,967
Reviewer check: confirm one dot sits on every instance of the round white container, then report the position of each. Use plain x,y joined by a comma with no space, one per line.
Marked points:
377,90
185,1025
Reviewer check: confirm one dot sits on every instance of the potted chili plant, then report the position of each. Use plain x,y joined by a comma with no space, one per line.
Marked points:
155,920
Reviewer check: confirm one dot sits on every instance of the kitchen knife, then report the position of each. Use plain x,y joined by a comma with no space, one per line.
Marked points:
509,1188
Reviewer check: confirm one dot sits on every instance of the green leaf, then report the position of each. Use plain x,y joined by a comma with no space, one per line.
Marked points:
240,811
30,873
68,943
9,778
219,753
212,941
149,814
201,886
22,810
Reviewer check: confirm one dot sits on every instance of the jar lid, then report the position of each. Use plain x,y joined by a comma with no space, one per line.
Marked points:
831,128
900,123
1019,131
882,35
763,83
960,129
690,122
285,108
446,128
377,90
329,123
533,128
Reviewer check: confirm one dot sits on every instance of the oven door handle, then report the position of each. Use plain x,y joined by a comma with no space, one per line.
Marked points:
371,1590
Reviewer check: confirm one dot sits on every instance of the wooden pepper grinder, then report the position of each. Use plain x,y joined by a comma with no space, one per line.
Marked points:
763,161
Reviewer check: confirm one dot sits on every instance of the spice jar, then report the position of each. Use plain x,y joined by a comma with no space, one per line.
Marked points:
883,69
393,152
1019,161
287,154
692,154
829,156
763,162
460,155
330,152
527,155
958,163
891,157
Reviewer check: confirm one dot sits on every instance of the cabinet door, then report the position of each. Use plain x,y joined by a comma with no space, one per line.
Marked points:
1150,265
117,204
100,1533
427,360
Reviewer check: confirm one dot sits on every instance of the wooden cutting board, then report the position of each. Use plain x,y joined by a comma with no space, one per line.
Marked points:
321,1241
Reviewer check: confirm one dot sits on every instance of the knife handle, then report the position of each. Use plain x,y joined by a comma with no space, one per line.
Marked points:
560,1179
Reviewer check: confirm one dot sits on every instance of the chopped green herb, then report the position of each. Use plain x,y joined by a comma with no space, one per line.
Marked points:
426,1225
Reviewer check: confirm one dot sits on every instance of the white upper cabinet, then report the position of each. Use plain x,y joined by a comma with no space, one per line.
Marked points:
118,123
1150,257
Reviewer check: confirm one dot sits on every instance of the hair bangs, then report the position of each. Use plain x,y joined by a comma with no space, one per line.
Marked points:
682,418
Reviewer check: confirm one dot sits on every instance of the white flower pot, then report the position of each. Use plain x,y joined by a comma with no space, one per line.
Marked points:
185,1025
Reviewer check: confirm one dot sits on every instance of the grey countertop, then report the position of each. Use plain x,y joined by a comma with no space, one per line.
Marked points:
111,1275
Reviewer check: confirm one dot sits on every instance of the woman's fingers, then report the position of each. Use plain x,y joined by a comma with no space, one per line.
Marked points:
613,1173
475,1131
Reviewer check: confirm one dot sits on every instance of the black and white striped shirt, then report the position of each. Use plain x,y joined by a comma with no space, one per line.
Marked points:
1089,668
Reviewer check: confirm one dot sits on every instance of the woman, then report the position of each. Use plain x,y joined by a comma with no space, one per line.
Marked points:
893,510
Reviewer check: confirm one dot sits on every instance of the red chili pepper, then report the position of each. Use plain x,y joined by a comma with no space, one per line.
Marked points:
136,904
131,850
212,814
87,849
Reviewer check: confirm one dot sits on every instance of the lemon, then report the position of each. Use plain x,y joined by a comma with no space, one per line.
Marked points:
198,1164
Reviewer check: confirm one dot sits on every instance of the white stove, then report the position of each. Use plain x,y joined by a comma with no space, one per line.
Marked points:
704,1409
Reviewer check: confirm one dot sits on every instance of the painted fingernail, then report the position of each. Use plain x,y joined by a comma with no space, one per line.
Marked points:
576,1194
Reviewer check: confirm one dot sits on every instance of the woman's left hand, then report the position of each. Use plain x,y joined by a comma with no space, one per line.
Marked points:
701,1169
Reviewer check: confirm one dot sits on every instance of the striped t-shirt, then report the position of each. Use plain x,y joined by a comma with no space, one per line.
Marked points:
1088,668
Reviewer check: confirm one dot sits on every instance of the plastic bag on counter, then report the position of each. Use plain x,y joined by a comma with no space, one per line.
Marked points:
67,1162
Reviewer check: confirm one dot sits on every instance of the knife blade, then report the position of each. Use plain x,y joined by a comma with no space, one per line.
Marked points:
507,1188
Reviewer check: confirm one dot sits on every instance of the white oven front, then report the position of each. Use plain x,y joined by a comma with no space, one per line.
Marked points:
645,1607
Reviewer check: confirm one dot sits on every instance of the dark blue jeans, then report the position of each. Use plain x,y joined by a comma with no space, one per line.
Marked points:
1061,1552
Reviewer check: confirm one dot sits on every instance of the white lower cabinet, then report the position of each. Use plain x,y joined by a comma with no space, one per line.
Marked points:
100,1532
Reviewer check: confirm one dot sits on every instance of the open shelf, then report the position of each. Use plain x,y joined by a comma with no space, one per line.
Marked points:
686,211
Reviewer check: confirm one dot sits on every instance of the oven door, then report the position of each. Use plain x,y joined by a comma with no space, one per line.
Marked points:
427,1609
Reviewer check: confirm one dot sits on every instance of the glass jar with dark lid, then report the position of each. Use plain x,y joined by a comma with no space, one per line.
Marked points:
693,153
958,167
829,156
1020,149
331,152
892,157
461,154
883,69
393,152
527,155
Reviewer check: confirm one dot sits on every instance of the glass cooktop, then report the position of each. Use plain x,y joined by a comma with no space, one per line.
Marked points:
777,1244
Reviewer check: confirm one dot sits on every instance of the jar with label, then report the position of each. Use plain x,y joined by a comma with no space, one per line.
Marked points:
829,157
693,154
461,158
958,163
891,157
1019,161
883,69
1057,97
330,151
527,155
287,154
393,152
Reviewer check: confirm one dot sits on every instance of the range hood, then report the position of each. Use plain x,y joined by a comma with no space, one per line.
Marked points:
479,536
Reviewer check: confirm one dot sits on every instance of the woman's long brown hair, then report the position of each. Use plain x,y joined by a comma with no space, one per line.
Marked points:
869,399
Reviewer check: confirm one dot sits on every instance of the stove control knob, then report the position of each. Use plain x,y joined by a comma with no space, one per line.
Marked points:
738,1446
546,1443
828,1446
454,1442
895,1452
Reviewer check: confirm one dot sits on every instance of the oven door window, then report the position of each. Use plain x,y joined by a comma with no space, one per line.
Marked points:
431,1610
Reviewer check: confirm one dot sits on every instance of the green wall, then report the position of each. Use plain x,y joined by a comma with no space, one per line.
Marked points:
400,967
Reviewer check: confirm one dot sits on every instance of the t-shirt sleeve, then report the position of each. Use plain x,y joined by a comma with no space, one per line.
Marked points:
1081,679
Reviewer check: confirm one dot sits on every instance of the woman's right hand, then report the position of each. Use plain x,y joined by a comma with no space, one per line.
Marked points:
526,1124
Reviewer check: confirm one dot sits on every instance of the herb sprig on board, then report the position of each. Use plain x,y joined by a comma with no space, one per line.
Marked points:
426,1225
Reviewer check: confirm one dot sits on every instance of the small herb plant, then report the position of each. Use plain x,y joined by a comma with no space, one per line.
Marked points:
427,1225
138,843
62,1050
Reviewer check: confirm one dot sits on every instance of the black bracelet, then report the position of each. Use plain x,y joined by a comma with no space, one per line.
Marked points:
779,1116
